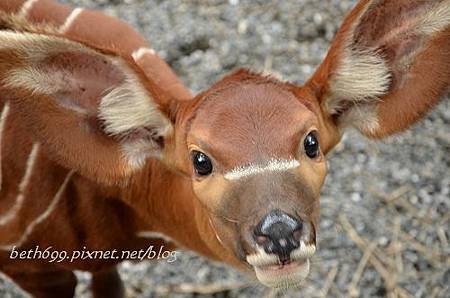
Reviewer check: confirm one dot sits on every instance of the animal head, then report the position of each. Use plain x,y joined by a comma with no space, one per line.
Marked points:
253,147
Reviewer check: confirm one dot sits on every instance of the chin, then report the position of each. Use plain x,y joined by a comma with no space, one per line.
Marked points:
271,272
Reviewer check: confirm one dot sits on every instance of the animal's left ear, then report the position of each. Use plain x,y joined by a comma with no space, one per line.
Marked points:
93,112
388,66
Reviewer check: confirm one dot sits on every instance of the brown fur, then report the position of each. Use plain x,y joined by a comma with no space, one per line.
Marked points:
242,121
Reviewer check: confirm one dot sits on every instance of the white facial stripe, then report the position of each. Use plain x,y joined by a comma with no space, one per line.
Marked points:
273,165
138,54
3,117
41,217
70,20
4,219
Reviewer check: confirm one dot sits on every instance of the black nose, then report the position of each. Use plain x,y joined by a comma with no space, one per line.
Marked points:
278,233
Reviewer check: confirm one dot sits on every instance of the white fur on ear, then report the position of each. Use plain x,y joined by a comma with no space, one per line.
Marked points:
129,108
361,76
126,109
30,78
362,117
436,20
33,47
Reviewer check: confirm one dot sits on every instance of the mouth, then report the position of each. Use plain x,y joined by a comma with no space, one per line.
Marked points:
273,273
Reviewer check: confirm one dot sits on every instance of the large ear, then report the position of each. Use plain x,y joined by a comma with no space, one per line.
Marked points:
388,66
93,112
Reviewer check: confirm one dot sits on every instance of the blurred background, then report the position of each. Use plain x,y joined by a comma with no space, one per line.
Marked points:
385,207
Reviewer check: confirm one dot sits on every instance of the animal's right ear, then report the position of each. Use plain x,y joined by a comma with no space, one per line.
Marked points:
93,112
388,66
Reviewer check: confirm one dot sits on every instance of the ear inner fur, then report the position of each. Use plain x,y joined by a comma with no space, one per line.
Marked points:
376,60
95,87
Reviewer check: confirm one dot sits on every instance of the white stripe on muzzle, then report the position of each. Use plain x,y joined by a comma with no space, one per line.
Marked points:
261,258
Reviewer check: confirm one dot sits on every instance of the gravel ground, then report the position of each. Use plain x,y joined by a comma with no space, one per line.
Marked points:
392,194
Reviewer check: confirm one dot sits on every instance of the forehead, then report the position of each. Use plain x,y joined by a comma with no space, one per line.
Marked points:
249,123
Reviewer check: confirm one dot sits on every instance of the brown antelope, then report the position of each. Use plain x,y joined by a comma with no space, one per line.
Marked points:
233,174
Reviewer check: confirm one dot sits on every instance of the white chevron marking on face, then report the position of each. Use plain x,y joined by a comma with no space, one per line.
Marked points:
273,165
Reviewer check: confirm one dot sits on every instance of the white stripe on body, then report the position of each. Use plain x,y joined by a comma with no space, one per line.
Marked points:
273,165
41,218
26,8
70,20
153,235
12,212
139,53
3,117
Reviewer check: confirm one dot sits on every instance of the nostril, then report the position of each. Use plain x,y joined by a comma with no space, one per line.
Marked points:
261,240
259,237
298,234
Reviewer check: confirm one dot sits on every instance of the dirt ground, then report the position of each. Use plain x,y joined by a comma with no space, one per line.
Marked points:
385,207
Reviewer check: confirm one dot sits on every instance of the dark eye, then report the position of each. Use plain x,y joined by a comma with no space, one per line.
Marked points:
202,163
311,145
